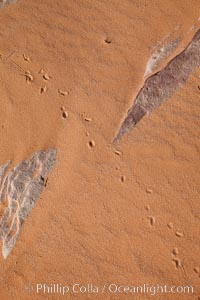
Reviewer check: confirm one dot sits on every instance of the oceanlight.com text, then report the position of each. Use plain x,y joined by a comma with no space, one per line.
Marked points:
108,288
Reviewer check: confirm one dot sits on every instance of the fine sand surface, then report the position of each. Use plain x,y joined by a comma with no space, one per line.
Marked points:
69,72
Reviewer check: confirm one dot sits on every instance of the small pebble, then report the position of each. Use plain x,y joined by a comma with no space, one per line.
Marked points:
179,234
123,178
46,76
170,225
149,191
175,251
197,270
65,115
91,144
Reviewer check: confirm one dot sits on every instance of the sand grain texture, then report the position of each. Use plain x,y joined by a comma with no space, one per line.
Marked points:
88,226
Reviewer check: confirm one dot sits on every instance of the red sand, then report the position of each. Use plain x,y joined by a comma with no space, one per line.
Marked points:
90,225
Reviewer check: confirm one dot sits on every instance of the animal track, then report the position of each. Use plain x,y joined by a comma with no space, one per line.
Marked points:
26,58
43,90
152,221
28,76
91,144
63,93
46,77
179,234
19,189
64,115
177,262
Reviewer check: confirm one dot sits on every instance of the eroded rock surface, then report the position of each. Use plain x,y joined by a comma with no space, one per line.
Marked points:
160,55
19,190
6,2
160,86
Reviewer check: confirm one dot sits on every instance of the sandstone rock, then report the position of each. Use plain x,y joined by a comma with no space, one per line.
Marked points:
21,188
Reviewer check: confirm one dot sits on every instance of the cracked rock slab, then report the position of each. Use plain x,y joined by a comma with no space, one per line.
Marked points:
20,188
161,86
